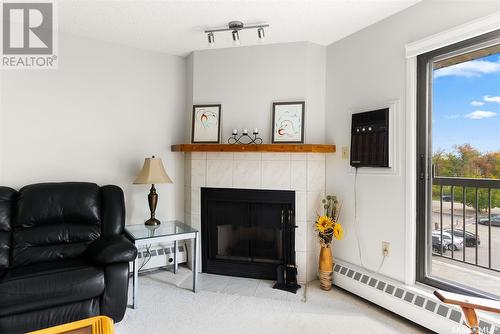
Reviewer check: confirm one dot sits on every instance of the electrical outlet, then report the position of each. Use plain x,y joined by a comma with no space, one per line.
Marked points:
345,152
385,248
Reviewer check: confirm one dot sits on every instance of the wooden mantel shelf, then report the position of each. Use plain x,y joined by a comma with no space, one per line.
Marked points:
293,148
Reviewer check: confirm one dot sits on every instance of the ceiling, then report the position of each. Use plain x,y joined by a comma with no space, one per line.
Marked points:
176,27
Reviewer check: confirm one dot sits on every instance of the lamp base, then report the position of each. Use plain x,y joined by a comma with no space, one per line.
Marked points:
152,222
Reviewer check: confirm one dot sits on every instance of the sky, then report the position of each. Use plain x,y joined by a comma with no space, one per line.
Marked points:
466,105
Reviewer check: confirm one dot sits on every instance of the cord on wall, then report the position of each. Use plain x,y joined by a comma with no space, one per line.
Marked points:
356,228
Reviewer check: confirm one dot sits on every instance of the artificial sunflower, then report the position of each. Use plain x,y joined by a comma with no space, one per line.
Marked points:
324,223
338,231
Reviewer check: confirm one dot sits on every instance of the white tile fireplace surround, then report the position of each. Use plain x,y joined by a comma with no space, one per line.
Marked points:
302,172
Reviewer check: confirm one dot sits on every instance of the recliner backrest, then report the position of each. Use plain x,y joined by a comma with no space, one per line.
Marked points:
113,210
58,220
7,200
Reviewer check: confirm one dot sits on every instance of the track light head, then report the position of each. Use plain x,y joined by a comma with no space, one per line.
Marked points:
261,34
211,39
236,37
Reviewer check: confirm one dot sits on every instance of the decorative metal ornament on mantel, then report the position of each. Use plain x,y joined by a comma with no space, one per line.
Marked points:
245,138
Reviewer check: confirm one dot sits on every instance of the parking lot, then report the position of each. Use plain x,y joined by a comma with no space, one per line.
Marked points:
445,267
482,248
470,226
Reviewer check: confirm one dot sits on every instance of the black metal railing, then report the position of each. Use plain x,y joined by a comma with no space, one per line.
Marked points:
476,185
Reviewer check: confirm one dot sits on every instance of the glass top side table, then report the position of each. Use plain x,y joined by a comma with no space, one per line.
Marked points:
167,231
142,231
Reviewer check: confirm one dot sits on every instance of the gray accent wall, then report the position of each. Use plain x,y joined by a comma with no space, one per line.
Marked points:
247,80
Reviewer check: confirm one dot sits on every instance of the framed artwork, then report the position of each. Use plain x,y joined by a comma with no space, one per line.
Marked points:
288,122
206,123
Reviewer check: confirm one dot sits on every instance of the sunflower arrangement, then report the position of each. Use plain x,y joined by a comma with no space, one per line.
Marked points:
327,225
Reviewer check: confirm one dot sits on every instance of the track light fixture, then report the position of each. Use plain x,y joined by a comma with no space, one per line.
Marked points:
235,27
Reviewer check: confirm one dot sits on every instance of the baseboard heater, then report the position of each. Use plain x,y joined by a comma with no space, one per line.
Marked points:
399,291
160,255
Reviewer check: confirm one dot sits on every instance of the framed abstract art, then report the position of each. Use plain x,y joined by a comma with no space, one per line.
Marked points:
288,122
206,123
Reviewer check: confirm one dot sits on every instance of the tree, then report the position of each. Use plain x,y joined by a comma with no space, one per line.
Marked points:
466,161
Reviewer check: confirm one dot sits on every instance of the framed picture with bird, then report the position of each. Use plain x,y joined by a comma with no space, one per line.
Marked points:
288,122
206,123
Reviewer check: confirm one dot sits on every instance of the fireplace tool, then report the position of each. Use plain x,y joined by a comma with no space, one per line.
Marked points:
287,272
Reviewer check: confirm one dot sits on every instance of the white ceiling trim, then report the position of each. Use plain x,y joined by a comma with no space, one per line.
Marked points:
463,32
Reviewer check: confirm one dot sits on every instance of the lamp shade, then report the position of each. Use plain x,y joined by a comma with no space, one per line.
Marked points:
152,172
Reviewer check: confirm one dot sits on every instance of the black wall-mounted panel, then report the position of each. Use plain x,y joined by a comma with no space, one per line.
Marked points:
370,139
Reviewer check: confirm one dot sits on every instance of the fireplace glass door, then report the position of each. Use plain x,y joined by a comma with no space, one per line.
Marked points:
245,233
252,233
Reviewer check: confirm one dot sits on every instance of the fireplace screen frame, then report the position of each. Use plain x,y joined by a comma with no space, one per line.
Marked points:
253,198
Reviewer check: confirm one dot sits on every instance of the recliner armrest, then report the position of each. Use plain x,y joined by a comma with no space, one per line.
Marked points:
108,250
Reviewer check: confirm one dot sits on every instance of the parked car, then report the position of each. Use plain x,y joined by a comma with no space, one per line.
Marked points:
470,238
495,220
446,198
436,245
458,242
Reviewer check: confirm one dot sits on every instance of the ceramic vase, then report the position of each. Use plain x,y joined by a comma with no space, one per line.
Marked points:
325,267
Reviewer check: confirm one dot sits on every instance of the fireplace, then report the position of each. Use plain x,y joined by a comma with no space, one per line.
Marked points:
246,232
303,173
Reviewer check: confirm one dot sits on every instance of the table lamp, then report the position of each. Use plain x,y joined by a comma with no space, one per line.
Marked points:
152,173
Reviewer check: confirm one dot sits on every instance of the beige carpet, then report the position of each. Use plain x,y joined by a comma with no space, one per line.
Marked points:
237,305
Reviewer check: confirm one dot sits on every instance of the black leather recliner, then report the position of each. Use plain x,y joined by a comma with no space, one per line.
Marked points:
63,255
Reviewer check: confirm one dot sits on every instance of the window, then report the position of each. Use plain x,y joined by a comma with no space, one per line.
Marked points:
458,189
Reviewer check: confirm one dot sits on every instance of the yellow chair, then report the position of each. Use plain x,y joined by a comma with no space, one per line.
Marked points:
94,325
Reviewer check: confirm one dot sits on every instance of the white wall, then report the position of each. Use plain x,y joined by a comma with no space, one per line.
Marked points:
95,119
368,69
246,80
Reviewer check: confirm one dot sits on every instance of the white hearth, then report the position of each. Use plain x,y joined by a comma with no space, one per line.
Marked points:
302,172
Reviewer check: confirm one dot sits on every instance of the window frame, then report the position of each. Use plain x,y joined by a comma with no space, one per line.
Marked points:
424,158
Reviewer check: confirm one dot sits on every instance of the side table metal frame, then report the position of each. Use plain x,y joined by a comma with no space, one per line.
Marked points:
193,236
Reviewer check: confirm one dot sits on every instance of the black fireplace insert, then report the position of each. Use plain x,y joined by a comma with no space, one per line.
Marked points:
247,232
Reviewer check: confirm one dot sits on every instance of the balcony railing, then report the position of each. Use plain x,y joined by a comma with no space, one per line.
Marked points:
471,190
